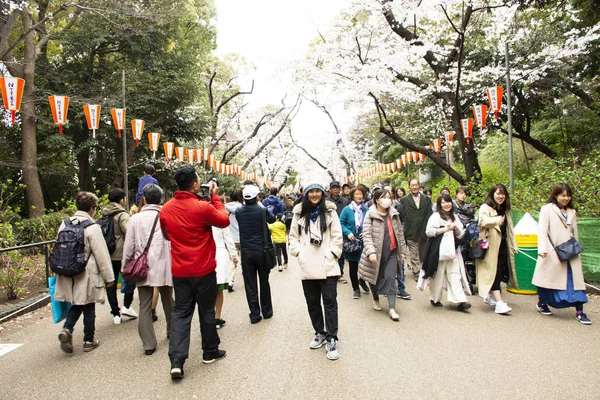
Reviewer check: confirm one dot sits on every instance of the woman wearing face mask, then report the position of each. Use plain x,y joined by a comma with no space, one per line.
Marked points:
316,239
384,250
445,272
560,283
498,265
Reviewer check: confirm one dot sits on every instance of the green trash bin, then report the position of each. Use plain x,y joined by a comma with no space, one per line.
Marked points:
525,261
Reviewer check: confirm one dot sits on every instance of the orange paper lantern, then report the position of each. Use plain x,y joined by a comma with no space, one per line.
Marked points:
59,106
168,147
153,138
466,125
480,114
137,129
92,117
12,94
495,99
118,117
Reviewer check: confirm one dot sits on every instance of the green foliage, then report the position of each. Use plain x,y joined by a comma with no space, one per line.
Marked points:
12,269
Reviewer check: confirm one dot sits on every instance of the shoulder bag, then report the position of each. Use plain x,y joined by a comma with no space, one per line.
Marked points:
269,249
447,249
136,269
478,248
568,249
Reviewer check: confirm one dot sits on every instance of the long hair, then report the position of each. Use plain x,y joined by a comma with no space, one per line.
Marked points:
446,215
558,189
489,200
307,207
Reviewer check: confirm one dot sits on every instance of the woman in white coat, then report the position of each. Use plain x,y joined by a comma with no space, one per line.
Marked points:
226,251
316,239
450,267
159,264
560,283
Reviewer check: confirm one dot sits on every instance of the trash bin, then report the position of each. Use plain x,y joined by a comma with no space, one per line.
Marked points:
526,235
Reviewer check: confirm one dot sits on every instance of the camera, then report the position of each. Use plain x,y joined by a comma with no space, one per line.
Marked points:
316,242
207,184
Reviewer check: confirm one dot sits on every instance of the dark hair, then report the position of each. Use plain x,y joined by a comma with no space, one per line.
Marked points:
262,195
185,176
273,191
248,182
116,195
279,216
427,190
236,195
85,201
444,188
149,169
489,200
378,193
416,180
558,189
402,190
152,193
358,188
445,215
462,189
251,201
307,207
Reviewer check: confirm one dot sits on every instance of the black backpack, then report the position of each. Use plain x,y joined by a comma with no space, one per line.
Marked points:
107,224
288,215
68,255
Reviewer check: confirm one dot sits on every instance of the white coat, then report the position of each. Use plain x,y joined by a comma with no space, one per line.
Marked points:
225,251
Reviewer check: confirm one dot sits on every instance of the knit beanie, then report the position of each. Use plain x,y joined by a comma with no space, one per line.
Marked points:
313,186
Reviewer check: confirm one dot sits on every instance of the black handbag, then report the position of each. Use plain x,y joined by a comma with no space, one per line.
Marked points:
476,249
352,247
568,249
269,248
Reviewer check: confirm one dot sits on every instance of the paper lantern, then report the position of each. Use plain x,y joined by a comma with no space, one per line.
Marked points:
437,145
92,117
466,125
480,114
168,146
414,155
179,153
12,94
137,128
398,163
59,106
206,154
198,154
421,157
118,117
153,138
449,135
403,157
495,99
190,155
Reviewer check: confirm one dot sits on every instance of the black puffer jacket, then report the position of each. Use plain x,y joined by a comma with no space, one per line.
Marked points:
250,221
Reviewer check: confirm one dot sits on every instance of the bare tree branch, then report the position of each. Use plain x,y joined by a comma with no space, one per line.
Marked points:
319,163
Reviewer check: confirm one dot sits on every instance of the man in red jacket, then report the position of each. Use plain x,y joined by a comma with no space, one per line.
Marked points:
186,220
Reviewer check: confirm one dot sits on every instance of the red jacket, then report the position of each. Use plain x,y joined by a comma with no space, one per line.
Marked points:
187,221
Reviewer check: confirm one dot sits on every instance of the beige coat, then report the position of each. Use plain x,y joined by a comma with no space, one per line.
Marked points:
120,225
550,272
87,287
373,233
159,253
317,262
489,225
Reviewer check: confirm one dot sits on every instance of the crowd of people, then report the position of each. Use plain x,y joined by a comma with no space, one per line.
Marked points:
194,242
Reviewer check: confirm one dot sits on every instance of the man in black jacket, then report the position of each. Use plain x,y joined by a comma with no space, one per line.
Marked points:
252,243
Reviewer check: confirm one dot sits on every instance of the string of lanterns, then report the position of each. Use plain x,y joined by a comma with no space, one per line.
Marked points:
12,94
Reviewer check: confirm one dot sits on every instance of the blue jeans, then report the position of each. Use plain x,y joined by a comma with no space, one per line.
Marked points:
400,279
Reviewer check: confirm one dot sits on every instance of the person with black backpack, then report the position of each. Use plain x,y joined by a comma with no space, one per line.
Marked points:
114,227
82,264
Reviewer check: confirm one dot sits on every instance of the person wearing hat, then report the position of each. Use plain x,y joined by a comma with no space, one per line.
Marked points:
340,202
316,239
250,218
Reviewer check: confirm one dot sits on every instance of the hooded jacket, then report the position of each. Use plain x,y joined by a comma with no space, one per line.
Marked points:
120,224
275,202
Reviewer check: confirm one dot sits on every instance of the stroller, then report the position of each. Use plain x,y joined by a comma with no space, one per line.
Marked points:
471,232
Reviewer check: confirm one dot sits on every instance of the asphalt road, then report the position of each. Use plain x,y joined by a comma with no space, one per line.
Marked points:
432,353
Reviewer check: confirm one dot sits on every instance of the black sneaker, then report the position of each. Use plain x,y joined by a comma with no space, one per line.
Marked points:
255,320
364,286
219,354
543,308
219,323
433,303
154,316
356,294
463,306
581,317
176,370
403,294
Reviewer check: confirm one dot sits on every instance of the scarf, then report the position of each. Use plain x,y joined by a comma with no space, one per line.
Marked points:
314,214
358,215
393,243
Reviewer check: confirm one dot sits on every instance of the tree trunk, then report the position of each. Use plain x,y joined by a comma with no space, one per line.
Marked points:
35,198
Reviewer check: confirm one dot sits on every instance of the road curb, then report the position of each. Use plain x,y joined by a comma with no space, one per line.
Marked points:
24,307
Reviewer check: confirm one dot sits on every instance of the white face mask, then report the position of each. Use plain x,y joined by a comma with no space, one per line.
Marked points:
384,203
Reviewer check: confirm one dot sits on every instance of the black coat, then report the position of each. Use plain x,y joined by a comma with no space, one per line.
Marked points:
415,219
432,256
250,221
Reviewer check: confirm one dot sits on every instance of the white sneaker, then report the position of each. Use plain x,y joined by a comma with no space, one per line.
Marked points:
502,308
129,312
489,300
117,320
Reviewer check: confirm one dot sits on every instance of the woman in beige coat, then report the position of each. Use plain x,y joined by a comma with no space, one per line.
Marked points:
560,283
384,250
159,264
316,239
87,288
496,226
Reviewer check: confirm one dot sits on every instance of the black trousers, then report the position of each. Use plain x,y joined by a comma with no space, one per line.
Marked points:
111,292
89,319
255,270
281,248
314,290
189,292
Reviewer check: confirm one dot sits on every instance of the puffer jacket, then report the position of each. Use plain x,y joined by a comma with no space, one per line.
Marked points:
88,286
120,224
275,202
373,233
317,261
159,253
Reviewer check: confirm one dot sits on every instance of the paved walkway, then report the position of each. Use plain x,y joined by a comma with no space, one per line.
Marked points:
432,353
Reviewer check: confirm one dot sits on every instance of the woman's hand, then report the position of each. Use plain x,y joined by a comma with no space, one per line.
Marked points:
110,284
236,260
502,219
516,250
373,258
361,235
351,237
450,227
543,255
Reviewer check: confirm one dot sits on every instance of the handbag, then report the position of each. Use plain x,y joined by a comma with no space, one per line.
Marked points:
447,249
477,248
136,269
352,247
568,249
60,309
269,249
